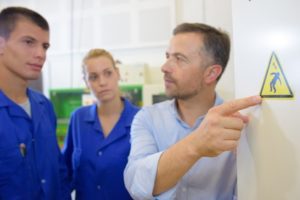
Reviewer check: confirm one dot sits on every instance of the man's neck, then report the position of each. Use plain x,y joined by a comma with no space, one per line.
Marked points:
13,88
191,109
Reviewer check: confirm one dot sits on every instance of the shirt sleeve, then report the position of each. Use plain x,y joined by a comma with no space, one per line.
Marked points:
140,172
63,171
65,182
68,153
234,197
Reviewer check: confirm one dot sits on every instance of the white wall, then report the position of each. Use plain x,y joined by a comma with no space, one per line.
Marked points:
269,152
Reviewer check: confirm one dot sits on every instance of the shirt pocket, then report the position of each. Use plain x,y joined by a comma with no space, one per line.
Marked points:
10,160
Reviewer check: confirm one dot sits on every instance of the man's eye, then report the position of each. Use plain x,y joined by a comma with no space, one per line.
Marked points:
29,42
182,59
46,46
179,58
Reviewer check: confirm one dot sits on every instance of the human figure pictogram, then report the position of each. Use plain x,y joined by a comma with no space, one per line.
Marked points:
274,81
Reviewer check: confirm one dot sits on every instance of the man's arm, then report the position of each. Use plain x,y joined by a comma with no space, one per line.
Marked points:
140,172
219,132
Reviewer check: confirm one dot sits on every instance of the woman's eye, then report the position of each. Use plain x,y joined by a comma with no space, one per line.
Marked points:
92,77
107,73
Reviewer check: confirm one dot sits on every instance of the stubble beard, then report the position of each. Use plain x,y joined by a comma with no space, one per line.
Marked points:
182,96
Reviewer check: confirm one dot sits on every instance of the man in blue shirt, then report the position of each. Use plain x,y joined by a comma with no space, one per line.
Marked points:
31,165
182,148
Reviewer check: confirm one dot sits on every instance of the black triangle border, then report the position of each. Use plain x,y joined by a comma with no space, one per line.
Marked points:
291,95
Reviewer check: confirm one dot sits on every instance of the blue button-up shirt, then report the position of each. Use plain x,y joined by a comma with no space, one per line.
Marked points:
155,129
36,169
96,163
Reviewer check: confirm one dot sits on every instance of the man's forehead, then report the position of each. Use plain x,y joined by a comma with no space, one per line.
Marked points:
24,22
185,42
26,28
183,50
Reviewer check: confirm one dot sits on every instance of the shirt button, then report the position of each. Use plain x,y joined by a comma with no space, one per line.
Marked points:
33,140
98,187
99,153
183,189
43,181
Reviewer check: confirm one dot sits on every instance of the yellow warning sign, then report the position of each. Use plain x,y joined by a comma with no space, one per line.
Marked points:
275,83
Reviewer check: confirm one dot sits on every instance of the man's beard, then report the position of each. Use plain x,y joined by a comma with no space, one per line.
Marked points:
182,96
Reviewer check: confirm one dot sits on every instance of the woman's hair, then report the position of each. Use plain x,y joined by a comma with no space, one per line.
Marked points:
94,53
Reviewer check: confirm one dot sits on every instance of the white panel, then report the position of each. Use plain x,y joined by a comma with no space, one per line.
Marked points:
113,2
6,3
153,56
60,38
149,91
59,72
49,7
83,33
155,32
190,11
82,6
132,74
115,29
77,75
269,153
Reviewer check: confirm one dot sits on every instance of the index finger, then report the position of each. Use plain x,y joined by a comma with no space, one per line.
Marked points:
236,105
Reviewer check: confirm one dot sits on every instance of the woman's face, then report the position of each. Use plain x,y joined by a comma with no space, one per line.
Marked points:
102,78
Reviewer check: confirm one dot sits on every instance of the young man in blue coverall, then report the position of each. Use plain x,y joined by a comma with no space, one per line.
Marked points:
31,165
182,148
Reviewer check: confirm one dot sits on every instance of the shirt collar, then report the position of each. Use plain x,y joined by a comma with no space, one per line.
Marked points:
35,96
127,111
5,101
93,115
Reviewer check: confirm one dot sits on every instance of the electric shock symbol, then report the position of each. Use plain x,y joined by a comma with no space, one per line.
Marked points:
275,84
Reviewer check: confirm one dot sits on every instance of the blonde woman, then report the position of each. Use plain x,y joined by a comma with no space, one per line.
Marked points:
97,143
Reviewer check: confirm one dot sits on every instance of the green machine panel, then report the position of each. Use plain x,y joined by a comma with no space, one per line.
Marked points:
65,101
134,93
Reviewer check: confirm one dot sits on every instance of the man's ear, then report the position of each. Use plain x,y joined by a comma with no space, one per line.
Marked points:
212,73
2,44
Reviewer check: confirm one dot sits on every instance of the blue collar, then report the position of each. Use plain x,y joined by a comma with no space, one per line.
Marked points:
5,101
93,114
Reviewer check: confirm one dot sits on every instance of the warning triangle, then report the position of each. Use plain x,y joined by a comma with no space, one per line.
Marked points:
275,83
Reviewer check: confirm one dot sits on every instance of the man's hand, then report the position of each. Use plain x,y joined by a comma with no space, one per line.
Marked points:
221,129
